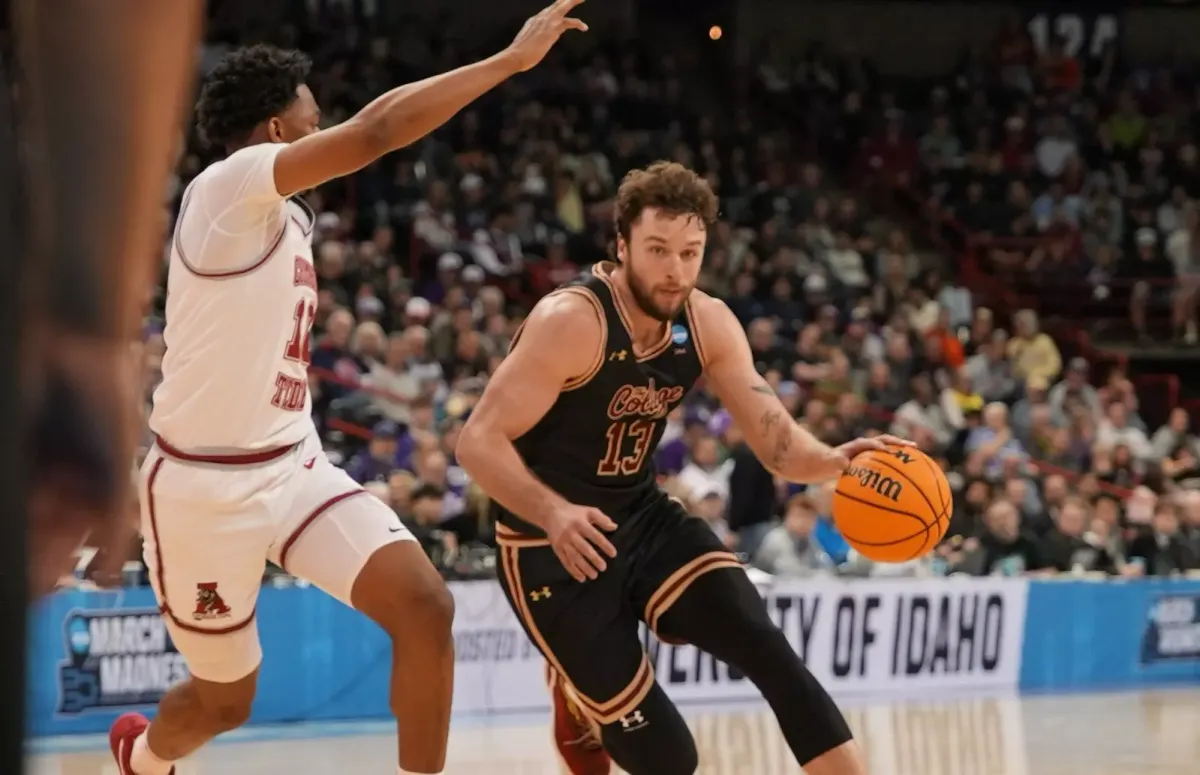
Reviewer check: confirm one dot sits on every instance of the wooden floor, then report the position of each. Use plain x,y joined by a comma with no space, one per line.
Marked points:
1151,733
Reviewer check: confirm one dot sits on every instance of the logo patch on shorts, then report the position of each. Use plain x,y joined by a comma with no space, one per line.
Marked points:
633,721
209,603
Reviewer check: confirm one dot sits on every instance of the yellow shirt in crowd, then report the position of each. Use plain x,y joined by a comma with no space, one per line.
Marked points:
967,402
1035,359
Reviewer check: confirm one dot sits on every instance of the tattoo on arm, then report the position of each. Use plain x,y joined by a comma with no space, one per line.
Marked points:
777,427
769,420
783,444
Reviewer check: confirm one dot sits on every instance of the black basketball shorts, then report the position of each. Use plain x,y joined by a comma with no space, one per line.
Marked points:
588,632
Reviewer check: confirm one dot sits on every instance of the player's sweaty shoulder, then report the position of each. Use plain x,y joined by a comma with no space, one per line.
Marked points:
565,328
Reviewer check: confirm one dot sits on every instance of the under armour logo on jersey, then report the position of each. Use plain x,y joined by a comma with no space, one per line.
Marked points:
539,594
619,355
633,721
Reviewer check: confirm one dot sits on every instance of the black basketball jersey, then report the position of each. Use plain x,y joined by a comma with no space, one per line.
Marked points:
595,446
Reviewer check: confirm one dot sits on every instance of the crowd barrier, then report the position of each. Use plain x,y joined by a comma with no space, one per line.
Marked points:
97,654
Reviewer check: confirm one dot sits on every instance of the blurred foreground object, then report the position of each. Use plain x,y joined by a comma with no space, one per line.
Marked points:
103,88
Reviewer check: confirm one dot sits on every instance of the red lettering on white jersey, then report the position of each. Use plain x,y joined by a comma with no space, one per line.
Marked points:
290,393
305,274
241,297
299,347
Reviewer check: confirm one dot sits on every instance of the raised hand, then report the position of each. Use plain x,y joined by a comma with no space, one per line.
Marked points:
541,32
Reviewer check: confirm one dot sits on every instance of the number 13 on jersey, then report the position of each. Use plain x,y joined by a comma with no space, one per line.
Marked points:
616,462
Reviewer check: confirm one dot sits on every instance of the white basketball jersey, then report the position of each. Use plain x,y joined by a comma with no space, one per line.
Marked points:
241,296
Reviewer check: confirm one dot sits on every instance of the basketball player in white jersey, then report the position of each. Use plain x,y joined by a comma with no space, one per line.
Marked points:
237,475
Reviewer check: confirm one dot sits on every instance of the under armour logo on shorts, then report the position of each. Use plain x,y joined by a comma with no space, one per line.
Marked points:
633,721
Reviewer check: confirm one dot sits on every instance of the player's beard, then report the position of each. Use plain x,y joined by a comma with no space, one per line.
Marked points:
643,296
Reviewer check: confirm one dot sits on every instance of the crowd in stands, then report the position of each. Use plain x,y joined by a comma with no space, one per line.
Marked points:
1076,175
429,259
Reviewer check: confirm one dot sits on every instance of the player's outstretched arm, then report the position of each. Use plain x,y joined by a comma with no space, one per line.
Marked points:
406,114
783,445
561,340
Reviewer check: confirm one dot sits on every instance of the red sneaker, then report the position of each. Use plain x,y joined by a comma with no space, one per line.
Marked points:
576,736
121,736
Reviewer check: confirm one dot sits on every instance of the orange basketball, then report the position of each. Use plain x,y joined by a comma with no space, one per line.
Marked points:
892,505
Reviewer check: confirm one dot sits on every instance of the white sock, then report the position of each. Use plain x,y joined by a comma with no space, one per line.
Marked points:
145,762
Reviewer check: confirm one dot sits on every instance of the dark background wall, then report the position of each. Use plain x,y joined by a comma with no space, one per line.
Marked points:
911,37
920,38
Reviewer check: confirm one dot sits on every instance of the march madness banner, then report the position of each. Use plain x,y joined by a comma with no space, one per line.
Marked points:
876,636
116,660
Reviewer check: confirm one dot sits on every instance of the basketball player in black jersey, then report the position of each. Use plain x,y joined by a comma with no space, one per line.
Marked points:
561,440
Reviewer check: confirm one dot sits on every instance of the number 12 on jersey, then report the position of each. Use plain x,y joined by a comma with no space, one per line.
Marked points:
616,462
299,347
291,394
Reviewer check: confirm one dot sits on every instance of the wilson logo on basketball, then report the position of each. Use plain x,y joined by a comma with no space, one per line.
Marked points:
873,480
643,401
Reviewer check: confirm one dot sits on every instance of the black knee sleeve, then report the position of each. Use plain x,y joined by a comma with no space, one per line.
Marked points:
724,614
810,719
653,739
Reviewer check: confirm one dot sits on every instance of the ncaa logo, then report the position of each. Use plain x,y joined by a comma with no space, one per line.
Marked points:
679,334
78,636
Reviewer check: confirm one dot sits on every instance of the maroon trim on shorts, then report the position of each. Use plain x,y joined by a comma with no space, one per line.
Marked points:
164,606
312,517
235,459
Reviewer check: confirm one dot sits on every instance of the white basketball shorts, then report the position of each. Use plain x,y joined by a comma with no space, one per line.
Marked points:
210,522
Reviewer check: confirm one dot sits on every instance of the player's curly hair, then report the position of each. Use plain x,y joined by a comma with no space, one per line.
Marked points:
667,186
247,87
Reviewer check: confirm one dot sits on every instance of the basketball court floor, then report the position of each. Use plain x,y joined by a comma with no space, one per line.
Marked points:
1146,733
